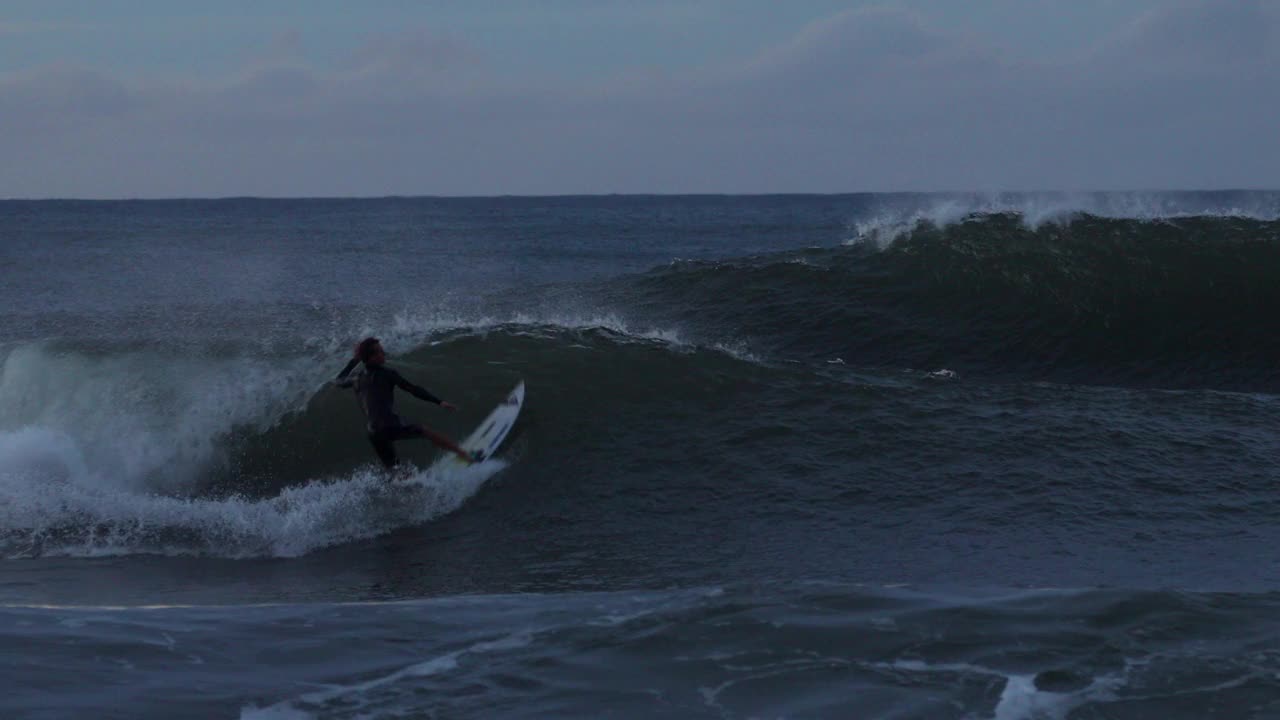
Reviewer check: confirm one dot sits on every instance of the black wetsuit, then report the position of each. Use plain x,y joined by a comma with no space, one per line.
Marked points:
375,387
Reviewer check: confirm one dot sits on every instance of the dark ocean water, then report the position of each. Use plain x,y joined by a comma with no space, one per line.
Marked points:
863,456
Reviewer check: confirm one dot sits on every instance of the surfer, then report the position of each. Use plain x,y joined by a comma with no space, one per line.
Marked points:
375,387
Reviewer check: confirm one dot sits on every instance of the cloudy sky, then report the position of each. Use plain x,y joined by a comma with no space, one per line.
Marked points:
151,98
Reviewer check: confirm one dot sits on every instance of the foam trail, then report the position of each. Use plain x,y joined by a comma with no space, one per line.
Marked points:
56,506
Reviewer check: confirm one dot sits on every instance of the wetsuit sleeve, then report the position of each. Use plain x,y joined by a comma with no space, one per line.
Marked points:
412,389
342,380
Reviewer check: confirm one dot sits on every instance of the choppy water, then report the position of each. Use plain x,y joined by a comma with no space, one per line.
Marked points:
830,456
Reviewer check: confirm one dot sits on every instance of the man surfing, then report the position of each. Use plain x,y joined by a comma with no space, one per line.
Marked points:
375,387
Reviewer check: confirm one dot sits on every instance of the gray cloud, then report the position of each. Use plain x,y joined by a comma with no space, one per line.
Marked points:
1202,33
866,100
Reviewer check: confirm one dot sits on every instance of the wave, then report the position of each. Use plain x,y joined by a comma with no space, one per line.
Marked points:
892,219
1184,302
109,451
212,450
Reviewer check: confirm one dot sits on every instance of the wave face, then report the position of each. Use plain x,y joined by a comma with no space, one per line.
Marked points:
1184,302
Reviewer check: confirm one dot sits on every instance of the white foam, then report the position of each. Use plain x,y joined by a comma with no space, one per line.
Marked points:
1020,699
410,330
607,321
141,421
73,512
283,711
358,694
1036,210
736,349
413,329
888,225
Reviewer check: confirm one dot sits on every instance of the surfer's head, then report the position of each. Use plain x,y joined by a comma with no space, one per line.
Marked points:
370,351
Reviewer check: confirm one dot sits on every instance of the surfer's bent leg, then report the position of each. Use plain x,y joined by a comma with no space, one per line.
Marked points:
383,441
447,444
384,444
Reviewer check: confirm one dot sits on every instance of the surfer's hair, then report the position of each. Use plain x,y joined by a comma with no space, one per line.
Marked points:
364,350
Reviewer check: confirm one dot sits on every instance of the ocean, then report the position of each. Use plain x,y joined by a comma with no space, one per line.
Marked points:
1007,456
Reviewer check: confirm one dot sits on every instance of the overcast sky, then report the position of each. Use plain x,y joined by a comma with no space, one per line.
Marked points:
411,97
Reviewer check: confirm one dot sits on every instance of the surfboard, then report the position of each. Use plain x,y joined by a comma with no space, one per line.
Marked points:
488,437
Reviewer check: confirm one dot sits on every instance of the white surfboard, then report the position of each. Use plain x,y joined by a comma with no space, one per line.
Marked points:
493,430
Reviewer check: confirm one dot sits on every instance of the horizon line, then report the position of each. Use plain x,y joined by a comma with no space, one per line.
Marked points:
518,196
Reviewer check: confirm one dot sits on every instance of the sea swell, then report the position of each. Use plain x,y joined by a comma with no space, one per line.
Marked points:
1175,302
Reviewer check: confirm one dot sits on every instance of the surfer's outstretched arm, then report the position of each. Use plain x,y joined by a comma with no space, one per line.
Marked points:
342,380
420,393
435,437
